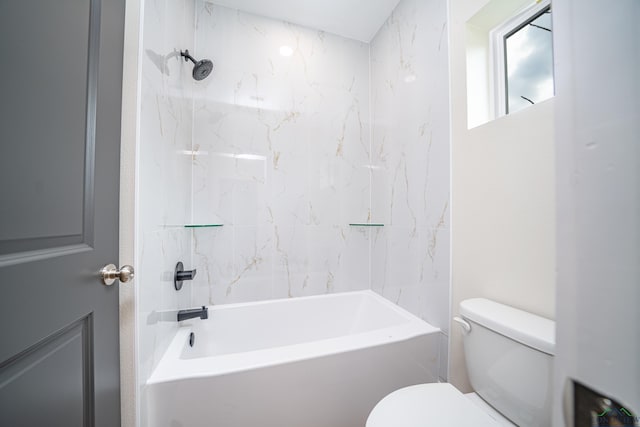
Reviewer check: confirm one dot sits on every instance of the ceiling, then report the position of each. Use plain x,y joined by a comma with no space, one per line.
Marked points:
354,19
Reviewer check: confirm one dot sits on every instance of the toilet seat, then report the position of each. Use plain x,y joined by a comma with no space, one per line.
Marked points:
422,405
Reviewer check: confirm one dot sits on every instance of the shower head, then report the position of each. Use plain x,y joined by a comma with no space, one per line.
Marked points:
201,69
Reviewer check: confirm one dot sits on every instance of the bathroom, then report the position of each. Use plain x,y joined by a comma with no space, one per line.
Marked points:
344,164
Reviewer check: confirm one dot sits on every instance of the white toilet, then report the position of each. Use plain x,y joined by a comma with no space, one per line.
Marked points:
509,359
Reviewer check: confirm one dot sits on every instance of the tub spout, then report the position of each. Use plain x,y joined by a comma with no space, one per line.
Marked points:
202,313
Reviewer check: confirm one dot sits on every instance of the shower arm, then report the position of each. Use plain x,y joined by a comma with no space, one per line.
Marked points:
186,56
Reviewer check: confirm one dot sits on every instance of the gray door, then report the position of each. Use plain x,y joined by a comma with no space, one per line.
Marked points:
60,103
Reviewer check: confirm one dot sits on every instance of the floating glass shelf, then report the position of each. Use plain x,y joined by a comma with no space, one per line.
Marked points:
366,224
202,225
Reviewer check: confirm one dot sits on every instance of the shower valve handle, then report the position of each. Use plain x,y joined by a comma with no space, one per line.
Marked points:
186,274
181,275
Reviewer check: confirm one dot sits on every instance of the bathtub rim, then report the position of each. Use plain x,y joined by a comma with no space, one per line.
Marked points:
172,367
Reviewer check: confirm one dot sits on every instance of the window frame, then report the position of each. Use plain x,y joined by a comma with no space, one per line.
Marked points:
497,42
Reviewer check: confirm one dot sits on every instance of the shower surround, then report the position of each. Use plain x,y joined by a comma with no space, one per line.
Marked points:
282,159
163,199
289,150
295,135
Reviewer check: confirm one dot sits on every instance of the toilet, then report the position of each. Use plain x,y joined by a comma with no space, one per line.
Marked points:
509,355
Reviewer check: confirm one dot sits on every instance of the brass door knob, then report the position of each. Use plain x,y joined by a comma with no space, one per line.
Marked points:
110,274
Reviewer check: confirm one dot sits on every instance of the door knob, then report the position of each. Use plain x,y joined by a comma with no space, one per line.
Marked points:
110,274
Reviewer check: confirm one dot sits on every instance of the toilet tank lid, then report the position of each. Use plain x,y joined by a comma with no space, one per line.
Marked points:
527,328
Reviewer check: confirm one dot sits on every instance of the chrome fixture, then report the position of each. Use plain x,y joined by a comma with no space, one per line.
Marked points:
110,273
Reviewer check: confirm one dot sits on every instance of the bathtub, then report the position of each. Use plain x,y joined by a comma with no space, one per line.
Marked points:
321,361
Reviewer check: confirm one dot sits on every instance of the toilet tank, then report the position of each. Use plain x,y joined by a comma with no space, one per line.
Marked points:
509,356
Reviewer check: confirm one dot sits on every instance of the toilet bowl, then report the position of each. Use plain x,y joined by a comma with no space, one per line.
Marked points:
509,357
437,404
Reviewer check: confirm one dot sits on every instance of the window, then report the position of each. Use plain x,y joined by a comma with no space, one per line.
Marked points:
522,50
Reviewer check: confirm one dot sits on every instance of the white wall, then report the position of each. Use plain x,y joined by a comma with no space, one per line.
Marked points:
282,152
163,202
503,201
410,158
598,129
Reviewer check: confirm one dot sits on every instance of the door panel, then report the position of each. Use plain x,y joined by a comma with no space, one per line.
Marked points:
59,149
49,108
64,359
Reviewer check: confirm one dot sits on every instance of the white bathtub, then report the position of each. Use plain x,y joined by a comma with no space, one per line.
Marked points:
303,362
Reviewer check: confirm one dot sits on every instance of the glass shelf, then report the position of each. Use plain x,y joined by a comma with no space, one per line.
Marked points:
202,225
366,224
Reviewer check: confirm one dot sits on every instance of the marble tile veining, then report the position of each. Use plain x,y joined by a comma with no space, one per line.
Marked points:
284,145
293,147
410,154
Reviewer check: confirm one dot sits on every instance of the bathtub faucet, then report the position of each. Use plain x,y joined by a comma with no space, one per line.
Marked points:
202,313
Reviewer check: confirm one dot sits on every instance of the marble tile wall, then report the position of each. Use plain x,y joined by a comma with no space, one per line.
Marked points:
410,157
163,178
288,150
281,158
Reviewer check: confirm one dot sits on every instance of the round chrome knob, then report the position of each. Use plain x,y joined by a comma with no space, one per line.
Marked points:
110,274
